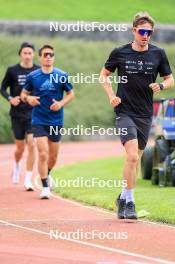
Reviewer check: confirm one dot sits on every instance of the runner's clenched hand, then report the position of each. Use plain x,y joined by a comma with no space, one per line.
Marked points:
56,105
15,100
155,87
115,101
33,100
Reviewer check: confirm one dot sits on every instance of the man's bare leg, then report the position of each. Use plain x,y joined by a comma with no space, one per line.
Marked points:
42,146
30,162
126,199
132,159
140,153
20,146
53,154
31,152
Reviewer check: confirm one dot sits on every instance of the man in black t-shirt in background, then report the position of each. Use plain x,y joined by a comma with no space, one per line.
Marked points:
140,62
20,112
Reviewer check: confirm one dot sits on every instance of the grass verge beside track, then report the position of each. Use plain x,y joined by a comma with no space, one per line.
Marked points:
159,202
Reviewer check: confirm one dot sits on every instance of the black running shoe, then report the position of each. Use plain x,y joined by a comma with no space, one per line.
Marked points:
130,212
121,204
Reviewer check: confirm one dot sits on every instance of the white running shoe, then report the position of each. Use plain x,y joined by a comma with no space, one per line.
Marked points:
28,181
28,185
45,194
16,172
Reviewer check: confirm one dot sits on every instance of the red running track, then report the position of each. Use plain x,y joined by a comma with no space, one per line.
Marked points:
26,222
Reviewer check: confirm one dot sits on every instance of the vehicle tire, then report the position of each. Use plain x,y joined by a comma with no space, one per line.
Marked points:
173,177
147,163
161,151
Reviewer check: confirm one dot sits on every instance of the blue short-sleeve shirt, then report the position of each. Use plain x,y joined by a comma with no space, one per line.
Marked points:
48,87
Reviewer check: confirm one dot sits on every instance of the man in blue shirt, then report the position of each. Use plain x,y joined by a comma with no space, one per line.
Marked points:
44,90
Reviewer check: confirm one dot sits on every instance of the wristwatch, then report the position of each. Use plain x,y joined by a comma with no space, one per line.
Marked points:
161,86
9,97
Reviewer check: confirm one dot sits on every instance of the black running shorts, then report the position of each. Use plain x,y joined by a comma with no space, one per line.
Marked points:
21,127
136,127
51,132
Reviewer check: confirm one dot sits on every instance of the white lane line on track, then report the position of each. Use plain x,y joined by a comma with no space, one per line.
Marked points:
135,262
55,220
114,250
101,210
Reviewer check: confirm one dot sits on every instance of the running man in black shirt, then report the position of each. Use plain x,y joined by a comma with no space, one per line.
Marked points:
20,112
140,62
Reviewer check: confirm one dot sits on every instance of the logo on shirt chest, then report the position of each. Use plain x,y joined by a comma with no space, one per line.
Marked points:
47,85
139,66
21,79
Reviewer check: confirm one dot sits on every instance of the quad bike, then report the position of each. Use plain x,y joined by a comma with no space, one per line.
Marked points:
158,161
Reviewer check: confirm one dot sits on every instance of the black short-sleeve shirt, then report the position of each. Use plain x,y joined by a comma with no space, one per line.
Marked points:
15,79
141,69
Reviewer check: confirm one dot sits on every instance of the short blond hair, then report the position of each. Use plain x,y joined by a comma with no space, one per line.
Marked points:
142,18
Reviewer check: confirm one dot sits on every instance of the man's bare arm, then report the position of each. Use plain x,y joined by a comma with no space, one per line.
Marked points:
24,95
167,84
168,81
27,98
113,99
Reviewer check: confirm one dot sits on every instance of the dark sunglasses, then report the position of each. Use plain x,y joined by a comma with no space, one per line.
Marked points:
142,32
46,54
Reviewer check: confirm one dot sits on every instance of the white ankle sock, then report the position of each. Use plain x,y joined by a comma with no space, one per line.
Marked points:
28,175
123,194
17,164
129,195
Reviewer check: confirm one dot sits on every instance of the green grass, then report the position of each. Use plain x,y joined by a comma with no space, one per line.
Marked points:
91,106
91,10
159,202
